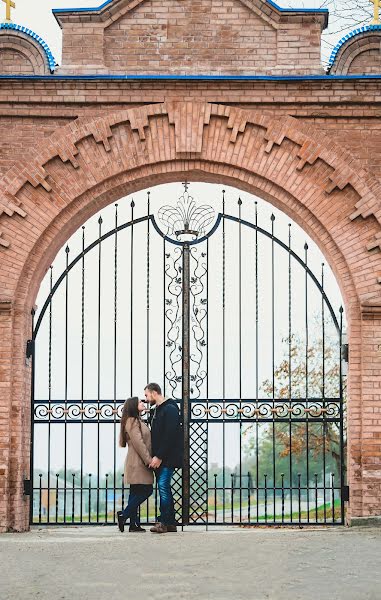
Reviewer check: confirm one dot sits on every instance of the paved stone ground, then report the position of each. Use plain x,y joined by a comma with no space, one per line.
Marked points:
252,564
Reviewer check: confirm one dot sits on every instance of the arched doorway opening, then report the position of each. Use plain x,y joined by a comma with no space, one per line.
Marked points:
224,301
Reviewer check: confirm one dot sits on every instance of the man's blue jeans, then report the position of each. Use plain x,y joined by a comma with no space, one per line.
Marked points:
139,492
167,509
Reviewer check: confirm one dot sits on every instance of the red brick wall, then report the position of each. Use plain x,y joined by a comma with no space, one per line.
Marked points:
366,62
200,37
18,134
208,36
12,61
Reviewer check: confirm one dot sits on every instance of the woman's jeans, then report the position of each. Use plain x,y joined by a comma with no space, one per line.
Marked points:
167,510
139,492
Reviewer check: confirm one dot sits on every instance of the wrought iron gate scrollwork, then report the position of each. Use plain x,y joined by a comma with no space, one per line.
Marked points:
264,434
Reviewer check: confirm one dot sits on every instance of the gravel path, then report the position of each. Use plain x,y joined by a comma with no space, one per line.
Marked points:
253,564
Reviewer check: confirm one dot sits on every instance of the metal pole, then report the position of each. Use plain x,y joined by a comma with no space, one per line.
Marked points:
186,381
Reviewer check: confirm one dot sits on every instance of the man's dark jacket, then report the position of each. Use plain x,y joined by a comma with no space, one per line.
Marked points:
167,434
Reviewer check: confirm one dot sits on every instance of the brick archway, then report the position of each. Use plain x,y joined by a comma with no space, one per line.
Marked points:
91,162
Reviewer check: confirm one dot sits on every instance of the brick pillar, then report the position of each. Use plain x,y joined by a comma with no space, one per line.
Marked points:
5,400
364,425
15,329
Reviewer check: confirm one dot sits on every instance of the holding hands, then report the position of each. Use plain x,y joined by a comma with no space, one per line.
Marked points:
155,463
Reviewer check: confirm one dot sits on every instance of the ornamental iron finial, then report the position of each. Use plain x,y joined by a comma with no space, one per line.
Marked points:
8,5
186,218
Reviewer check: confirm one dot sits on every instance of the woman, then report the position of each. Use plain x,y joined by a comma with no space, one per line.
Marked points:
135,434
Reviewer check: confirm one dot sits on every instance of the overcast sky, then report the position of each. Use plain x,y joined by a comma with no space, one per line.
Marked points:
344,16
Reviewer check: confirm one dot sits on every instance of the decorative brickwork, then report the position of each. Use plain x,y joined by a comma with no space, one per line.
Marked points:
91,162
23,52
358,53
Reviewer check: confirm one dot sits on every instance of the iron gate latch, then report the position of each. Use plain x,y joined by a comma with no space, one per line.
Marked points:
27,487
29,348
345,493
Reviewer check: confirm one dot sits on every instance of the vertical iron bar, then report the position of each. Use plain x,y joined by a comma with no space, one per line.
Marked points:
148,284
290,364
100,221
316,498
232,478
215,498
282,479
333,496
265,476
299,498
67,251
73,500
307,389
342,455
186,380
31,445
207,374
49,383
248,496
223,352
89,497
164,324
324,424
115,352
132,299
273,349
82,361
57,499
256,361
106,499
40,498
240,351
122,492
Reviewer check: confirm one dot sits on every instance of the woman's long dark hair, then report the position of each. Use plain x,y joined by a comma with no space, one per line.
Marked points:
130,409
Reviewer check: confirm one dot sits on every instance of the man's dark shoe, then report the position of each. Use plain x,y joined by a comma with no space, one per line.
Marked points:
136,529
121,520
159,528
172,528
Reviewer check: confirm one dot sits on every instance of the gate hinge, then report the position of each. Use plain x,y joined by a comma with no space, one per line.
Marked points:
29,349
345,352
27,487
345,493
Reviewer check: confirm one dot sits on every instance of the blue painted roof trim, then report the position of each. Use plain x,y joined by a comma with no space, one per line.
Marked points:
347,37
192,77
273,4
49,56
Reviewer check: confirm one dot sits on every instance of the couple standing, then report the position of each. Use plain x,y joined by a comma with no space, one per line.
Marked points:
157,450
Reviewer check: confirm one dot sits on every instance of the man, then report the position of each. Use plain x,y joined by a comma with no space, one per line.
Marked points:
167,452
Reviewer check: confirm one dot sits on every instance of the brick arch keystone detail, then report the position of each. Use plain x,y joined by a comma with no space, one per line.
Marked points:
293,155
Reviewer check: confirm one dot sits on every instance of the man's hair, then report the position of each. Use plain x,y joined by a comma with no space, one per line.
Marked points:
153,387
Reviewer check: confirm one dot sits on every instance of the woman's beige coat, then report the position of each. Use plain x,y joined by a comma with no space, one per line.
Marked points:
139,453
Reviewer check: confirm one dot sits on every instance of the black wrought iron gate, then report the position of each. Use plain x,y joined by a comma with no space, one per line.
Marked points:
237,328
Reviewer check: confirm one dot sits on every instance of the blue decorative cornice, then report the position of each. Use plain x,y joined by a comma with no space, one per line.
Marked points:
347,37
49,56
323,11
